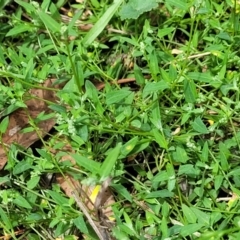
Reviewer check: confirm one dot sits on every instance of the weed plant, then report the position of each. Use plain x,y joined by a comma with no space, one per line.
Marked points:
167,134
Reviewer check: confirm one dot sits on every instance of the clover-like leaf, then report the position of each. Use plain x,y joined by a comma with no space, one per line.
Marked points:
134,8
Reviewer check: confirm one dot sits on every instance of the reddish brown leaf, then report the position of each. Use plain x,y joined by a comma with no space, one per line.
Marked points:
20,119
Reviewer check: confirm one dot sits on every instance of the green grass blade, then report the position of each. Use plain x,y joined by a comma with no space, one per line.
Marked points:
86,163
110,161
102,23
49,22
5,219
4,124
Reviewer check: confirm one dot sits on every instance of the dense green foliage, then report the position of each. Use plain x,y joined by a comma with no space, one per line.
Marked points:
168,136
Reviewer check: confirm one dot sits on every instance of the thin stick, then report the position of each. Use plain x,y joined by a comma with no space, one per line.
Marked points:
85,212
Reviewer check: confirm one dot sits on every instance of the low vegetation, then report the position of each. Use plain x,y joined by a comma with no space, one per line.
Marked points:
119,119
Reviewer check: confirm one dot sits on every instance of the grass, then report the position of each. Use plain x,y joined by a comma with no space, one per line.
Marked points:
138,137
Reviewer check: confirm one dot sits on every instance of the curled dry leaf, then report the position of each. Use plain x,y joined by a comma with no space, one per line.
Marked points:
20,119
95,201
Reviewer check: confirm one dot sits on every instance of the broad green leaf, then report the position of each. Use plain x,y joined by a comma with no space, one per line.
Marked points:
22,202
152,87
160,194
141,145
116,96
150,217
95,3
2,58
171,177
224,155
165,75
45,49
134,8
190,91
83,132
204,155
136,123
164,227
215,217
202,217
129,146
173,73
190,229
199,126
58,198
165,31
62,227
93,94
27,6
54,11
205,77
185,117
181,4
58,108
128,220
33,182
138,75
54,222
234,172
159,178
155,116
18,29
29,69
3,3
110,161
15,58
180,155
184,137
43,153
218,181
201,77
78,140
119,232
91,91
49,22
226,88
188,214
153,65
165,209
4,180
45,4
101,23
4,124
21,167
86,163
79,222
43,117
5,219
76,16
79,78
160,138
188,170
122,191
35,217
225,36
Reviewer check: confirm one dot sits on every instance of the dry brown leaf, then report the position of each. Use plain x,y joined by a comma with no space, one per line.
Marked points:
69,184
98,208
20,119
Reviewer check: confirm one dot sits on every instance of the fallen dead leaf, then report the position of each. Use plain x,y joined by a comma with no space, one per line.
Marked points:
96,205
19,119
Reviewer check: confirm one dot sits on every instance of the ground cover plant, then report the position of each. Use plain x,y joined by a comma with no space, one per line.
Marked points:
119,119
